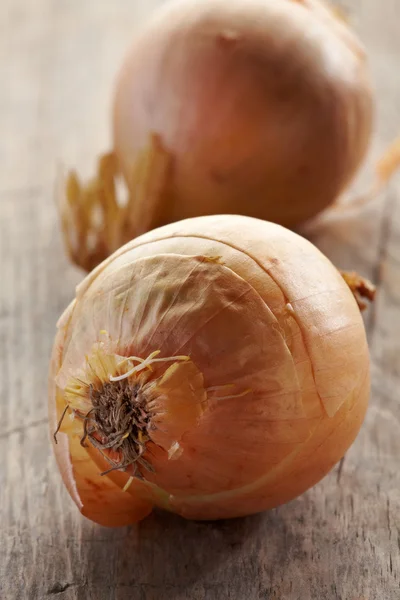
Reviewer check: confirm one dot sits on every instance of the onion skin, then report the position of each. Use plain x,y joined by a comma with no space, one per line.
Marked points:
265,107
253,306
254,107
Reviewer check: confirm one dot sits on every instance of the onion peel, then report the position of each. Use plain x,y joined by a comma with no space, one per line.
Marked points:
267,391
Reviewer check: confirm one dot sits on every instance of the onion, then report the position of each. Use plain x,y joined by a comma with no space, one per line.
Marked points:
215,367
257,107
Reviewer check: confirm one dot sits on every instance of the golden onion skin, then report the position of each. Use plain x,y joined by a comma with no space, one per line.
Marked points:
275,387
265,107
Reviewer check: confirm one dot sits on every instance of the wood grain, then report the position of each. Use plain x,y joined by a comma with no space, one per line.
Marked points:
341,540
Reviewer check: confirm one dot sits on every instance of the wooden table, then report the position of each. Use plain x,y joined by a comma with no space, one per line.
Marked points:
340,540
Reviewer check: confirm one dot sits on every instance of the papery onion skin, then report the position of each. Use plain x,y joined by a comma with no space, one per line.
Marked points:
251,306
265,107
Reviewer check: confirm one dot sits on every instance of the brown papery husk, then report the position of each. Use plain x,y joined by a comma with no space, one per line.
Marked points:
257,107
269,375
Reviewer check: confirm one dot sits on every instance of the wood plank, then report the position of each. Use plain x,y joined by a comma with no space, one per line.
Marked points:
339,541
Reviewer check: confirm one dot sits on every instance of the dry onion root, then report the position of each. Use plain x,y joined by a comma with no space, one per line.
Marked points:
258,107
214,367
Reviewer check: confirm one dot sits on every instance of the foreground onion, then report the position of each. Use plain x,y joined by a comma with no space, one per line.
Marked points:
214,367
257,107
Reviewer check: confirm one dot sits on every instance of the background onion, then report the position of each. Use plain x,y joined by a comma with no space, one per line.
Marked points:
257,107
264,105
273,391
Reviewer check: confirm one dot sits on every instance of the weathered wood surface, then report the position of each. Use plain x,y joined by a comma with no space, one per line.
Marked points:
340,540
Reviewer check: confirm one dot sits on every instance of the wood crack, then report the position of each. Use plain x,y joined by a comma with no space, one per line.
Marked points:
59,588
